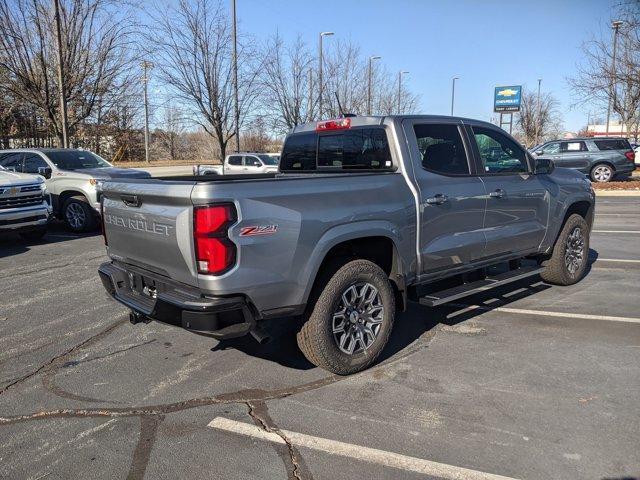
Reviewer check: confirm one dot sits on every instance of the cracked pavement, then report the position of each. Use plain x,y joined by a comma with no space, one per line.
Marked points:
85,394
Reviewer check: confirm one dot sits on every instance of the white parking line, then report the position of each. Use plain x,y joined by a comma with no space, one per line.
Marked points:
617,214
366,454
615,231
543,313
619,260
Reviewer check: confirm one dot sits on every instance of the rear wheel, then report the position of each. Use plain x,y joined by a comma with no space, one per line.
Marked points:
568,261
78,215
351,320
602,173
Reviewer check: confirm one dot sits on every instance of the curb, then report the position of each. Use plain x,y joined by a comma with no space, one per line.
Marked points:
617,193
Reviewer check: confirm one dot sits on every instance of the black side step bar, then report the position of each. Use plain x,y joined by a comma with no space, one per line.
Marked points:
451,294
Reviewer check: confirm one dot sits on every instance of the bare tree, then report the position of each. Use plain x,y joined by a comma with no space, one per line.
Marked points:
287,80
192,47
96,53
536,122
169,136
598,81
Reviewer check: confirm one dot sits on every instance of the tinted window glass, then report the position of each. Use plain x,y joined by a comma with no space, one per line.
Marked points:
12,161
363,148
299,152
268,160
613,144
76,160
551,148
252,162
441,149
235,160
570,147
33,162
499,154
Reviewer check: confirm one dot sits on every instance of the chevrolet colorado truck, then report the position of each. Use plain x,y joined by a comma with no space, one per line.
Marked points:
25,204
364,215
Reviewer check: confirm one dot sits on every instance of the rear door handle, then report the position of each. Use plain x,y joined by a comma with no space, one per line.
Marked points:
437,199
499,193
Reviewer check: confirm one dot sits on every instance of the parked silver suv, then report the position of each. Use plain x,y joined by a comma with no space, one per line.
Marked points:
601,158
72,178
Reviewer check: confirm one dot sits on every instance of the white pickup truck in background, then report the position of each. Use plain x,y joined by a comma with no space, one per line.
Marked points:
241,163
25,204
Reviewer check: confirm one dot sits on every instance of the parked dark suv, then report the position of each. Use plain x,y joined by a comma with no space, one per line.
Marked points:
601,158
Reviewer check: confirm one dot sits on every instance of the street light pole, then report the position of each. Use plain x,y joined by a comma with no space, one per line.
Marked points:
235,76
61,89
538,119
453,92
615,26
374,57
320,85
146,66
400,73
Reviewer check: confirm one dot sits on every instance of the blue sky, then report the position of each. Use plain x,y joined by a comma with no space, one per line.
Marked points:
484,42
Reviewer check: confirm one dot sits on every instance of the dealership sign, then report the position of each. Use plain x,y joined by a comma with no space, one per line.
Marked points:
507,99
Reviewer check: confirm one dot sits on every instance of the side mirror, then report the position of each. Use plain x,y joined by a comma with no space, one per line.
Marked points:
544,166
44,171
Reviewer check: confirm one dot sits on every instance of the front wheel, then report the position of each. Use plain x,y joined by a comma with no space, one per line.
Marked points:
78,215
568,261
351,320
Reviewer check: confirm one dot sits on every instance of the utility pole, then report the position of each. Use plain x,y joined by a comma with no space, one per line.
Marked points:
61,85
374,57
146,66
310,110
453,92
538,119
235,76
615,26
400,73
320,85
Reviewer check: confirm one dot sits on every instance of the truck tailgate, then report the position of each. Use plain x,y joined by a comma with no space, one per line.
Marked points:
149,224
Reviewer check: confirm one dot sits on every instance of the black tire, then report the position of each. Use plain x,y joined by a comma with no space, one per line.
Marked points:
78,215
34,235
602,173
556,269
316,338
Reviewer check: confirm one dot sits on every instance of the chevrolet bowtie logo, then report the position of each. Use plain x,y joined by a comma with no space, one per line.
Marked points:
14,190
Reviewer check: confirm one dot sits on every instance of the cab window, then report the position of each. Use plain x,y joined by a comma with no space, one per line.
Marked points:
441,149
551,148
252,162
32,163
498,153
235,160
12,161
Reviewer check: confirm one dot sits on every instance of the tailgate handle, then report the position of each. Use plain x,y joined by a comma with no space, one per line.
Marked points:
131,200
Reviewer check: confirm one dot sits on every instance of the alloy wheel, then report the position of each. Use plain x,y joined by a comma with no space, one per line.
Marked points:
358,318
75,216
602,173
574,251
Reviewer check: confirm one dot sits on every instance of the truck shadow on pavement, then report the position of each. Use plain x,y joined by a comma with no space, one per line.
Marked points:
13,244
416,325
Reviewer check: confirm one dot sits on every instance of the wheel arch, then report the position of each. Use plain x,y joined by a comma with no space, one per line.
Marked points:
62,197
377,245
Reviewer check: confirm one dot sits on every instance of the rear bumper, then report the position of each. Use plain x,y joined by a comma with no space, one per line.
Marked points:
159,298
625,170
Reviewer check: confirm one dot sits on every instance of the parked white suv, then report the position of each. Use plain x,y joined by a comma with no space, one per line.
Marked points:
72,178
25,204
247,163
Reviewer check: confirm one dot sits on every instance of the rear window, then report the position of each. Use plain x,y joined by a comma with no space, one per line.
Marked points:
356,149
569,147
613,144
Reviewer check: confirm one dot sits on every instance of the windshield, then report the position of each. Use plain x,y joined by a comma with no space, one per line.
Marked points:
76,160
268,160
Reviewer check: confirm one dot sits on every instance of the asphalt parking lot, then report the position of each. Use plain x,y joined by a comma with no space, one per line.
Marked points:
528,382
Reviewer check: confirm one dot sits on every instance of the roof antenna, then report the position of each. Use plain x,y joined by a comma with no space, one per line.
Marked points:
339,105
342,113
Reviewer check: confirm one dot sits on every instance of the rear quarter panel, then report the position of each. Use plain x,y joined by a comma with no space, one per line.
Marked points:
311,214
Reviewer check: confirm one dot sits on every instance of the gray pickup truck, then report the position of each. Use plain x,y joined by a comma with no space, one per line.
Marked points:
364,215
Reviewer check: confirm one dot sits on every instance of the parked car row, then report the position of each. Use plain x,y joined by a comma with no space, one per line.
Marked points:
601,158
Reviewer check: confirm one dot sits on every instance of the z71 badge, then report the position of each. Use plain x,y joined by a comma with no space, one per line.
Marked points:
258,230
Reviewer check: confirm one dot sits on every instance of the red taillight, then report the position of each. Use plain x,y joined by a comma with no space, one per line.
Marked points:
215,253
340,124
631,156
104,232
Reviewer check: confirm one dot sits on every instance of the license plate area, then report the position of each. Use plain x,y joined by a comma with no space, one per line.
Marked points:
142,286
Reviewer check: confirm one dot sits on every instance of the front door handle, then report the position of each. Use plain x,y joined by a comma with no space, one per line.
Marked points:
499,193
437,199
